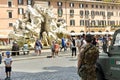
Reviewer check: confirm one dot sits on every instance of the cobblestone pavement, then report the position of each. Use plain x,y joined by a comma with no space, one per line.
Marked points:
32,55
64,74
62,67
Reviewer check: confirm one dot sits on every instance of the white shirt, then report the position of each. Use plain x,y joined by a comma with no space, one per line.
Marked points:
25,47
84,43
8,60
78,42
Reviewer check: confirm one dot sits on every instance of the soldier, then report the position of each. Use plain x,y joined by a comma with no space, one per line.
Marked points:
87,60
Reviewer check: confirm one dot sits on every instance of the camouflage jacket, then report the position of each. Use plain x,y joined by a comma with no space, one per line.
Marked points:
90,56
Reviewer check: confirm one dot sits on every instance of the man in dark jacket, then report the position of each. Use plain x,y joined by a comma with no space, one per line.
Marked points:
15,49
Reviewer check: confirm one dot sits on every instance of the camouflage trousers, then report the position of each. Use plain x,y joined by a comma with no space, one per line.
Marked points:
89,74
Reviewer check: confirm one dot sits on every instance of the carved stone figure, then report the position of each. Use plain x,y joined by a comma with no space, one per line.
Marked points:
38,22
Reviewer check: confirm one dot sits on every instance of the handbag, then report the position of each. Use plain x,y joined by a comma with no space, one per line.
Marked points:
82,67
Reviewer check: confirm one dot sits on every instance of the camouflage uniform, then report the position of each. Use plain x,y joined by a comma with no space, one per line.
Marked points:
88,62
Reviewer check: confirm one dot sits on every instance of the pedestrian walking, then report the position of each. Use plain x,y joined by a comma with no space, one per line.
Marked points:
53,48
73,46
87,60
78,43
38,47
83,41
105,44
8,65
63,44
94,42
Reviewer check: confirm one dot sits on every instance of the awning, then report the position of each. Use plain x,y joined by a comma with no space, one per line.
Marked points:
3,36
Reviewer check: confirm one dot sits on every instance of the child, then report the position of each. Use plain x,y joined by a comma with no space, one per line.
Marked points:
8,62
56,46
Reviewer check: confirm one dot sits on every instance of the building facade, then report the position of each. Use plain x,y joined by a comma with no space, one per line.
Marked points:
11,10
80,15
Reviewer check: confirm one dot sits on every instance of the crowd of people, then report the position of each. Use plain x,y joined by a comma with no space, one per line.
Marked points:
75,43
85,47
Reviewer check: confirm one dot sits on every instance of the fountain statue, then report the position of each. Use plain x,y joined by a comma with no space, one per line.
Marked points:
38,22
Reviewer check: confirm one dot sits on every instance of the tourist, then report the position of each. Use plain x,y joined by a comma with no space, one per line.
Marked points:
56,46
73,47
15,49
94,42
53,48
82,43
105,44
63,44
78,43
8,63
25,48
38,47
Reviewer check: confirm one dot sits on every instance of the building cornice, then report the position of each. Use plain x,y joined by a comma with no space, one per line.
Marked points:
102,2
